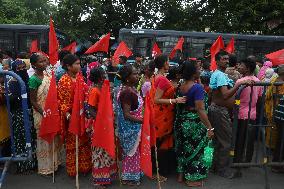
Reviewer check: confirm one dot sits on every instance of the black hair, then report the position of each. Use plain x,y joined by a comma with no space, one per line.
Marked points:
1,55
96,75
232,60
23,55
250,64
124,72
123,58
206,65
189,69
9,53
34,58
220,54
69,59
160,61
62,54
138,55
173,72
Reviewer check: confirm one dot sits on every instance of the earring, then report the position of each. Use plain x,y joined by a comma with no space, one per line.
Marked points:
127,81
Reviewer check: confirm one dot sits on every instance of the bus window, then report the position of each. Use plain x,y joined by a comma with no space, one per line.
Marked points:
6,41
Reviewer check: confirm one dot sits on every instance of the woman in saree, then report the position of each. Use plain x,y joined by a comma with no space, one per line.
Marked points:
17,119
163,99
129,115
192,128
66,91
104,167
39,85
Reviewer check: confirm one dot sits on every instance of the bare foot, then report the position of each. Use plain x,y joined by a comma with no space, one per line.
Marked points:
161,178
180,178
194,183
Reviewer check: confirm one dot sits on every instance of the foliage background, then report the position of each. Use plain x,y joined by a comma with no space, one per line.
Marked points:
89,19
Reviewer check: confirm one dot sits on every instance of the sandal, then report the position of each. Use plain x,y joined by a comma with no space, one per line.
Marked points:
161,178
194,183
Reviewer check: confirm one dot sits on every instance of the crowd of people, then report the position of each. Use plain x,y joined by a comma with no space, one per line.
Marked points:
192,108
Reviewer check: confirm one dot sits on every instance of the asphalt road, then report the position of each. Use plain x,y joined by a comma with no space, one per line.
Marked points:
253,178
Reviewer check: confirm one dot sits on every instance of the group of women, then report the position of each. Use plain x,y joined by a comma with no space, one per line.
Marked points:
180,120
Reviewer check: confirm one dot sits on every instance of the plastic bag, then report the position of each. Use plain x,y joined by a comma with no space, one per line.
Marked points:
208,154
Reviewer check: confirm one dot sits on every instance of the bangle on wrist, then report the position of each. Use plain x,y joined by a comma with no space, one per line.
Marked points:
212,129
171,101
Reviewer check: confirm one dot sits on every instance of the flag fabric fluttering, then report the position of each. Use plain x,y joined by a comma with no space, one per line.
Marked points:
156,50
276,57
145,146
50,124
215,48
177,47
53,44
103,127
231,46
77,120
34,47
100,46
71,47
122,50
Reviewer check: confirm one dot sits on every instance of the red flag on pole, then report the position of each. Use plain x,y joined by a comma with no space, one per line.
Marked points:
156,50
145,147
77,121
231,46
53,44
215,48
34,47
101,45
276,57
50,123
122,50
103,128
177,47
71,47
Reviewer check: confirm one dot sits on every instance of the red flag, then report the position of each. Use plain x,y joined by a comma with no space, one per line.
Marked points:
231,46
277,57
177,47
145,147
50,123
77,121
101,45
122,50
34,47
53,44
71,47
103,128
156,50
215,48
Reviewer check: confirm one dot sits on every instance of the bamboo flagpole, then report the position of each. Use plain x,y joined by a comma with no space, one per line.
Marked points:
117,161
157,167
77,163
53,162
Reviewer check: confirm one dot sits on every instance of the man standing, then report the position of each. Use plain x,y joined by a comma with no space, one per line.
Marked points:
222,102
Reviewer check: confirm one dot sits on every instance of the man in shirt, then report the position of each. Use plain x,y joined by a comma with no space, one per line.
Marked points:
222,102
